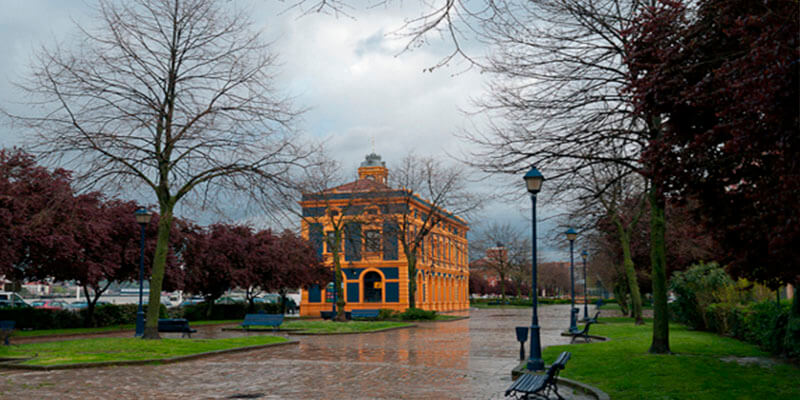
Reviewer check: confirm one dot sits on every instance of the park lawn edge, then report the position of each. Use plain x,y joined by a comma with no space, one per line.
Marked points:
17,363
68,332
624,369
317,331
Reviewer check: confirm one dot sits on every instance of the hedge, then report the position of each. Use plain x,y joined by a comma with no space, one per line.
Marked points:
766,324
200,312
708,299
104,315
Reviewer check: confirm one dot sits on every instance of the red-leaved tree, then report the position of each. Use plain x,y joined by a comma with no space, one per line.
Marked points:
724,79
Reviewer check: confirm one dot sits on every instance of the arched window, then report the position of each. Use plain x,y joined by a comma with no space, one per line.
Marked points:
373,287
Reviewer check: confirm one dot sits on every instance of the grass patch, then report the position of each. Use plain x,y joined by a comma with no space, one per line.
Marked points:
123,349
322,327
440,317
615,306
105,329
624,369
72,331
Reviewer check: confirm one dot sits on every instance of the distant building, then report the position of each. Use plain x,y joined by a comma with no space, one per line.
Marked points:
373,262
483,266
37,288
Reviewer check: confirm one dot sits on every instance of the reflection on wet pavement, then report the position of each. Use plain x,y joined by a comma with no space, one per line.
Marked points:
466,359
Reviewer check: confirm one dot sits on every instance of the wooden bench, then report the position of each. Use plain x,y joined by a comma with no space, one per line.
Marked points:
539,386
364,314
6,330
594,319
273,320
176,325
584,333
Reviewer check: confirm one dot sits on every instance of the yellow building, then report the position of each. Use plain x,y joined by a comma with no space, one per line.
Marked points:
373,263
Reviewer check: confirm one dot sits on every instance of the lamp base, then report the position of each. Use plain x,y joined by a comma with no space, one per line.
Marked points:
139,324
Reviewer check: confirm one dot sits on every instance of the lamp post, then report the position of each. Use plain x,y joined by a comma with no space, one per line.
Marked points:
571,235
533,181
584,255
142,218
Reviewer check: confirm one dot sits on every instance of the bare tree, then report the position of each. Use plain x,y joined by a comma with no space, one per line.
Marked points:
616,195
171,95
431,192
559,102
553,277
504,251
328,216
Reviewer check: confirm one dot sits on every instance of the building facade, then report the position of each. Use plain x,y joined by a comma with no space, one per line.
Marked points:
369,214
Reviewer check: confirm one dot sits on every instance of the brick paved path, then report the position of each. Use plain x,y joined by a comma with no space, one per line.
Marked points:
467,359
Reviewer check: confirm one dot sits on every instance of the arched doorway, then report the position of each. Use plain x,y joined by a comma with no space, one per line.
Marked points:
373,287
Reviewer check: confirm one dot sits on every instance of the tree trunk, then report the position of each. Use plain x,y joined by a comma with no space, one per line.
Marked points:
791,342
630,273
157,273
621,293
89,322
283,300
341,315
209,306
660,344
502,288
412,281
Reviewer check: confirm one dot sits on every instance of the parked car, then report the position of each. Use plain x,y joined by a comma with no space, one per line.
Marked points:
229,300
79,305
50,304
11,299
191,301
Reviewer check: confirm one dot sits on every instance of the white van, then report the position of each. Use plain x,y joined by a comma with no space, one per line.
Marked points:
11,299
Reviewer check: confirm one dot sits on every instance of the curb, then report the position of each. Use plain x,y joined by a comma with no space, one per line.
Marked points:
600,338
257,330
170,360
352,333
27,339
586,388
459,318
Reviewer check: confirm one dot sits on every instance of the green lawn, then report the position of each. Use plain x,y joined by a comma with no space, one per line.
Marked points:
114,328
615,306
123,349
624,369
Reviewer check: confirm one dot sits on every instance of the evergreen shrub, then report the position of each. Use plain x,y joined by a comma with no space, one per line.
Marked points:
708,299
415,314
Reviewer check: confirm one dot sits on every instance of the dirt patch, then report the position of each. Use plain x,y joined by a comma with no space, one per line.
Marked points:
762,361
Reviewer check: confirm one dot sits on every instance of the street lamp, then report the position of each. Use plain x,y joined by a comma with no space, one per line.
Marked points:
533,181
571,235
584,255
142,218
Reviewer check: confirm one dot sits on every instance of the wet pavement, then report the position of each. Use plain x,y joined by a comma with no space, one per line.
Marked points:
465,359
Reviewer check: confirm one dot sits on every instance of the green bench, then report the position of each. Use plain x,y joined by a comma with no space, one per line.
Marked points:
539,386
273,320
6,329
364,314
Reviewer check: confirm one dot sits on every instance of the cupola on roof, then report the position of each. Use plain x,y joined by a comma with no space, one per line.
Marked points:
373,168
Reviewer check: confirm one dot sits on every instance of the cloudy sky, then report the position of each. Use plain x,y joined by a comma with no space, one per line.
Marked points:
349,71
